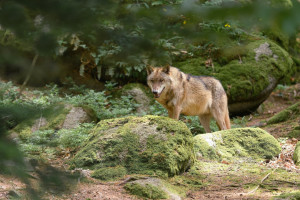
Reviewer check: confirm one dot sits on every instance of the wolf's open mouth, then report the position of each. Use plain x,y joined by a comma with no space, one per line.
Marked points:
157,95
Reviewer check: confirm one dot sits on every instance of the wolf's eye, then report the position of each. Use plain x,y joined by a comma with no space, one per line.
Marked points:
161,80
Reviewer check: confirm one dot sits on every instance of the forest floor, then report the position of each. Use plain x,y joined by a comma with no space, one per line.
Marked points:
220,180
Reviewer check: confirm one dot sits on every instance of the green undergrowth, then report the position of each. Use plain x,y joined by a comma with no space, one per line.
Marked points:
45,144
101,103
54,114
50,104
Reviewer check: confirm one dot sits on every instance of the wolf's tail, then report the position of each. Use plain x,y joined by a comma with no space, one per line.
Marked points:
227,120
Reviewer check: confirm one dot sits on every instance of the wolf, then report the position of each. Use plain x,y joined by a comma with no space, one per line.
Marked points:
181,93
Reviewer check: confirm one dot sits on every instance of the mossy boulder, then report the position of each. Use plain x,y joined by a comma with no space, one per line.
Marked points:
154,188
235,144
296,156
249,76
78,115
144,145
284,115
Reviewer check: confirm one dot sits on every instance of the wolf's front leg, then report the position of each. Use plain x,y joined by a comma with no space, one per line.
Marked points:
170,113
174,112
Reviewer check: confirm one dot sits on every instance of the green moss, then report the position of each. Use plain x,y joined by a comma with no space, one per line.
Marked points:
56,121
146,191
285,114
253,143
25,133
193,179
295,133
296,156
295,195
277,35
246,80
55,116
146,145
109,173
90,113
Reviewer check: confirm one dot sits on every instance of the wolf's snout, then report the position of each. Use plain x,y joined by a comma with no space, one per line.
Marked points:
156,93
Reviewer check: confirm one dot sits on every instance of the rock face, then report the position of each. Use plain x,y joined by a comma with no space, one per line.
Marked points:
248,76
141,95
146,145
76,116
234,144
296,156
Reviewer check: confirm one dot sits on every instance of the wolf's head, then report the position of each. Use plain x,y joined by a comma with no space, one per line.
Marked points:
158,79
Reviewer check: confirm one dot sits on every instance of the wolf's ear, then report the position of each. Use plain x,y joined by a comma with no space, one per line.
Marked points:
149,69
166,69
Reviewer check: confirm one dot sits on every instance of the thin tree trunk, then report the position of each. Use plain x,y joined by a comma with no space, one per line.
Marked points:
29,74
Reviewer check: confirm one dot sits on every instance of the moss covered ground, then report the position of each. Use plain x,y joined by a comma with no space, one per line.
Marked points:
284,115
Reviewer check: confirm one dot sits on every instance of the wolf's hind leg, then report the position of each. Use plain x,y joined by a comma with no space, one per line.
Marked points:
227,120
205,120
220,119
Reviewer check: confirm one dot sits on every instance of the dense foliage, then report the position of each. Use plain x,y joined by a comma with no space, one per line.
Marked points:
117,39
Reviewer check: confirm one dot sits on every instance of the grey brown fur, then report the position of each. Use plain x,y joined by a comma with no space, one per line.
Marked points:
181,93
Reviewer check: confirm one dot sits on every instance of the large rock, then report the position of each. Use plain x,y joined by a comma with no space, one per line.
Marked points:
78,115
141,94
248,75
145,145
235,144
